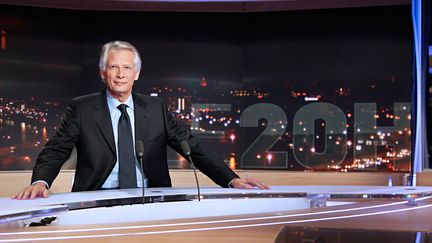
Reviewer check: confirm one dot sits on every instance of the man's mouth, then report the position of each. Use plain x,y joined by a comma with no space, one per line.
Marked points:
120,83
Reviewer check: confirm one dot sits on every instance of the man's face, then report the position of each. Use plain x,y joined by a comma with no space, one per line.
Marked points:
120,73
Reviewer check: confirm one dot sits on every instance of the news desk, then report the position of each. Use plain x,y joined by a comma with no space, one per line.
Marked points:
222,215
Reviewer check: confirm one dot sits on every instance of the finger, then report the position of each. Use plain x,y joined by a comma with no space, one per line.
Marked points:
245,186
45,193
252,182
21,195
242,184
258,184
35,192
26,193
18,196
263,186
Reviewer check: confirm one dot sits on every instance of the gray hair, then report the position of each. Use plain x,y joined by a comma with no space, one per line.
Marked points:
118,45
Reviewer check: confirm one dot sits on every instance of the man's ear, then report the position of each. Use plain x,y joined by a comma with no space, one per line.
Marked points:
137,75
102,75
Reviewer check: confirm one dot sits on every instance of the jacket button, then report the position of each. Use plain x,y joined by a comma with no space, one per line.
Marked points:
113,161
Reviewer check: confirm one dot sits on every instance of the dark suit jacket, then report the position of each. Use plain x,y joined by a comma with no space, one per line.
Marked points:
87,126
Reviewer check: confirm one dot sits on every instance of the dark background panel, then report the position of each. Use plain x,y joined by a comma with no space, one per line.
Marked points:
344,56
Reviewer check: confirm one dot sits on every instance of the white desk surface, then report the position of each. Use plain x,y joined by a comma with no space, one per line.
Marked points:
10,206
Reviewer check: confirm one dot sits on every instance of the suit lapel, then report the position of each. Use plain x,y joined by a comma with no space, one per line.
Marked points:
103,120
142,119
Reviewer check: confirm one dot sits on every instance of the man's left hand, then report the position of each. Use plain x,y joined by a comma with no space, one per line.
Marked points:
248,183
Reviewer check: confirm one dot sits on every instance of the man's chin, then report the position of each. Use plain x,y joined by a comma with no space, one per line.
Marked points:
120,92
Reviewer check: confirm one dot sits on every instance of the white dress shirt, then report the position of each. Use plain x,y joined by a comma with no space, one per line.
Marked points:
113,179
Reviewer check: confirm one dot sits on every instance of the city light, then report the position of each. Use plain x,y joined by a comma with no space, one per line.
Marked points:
36,120
269,158
232,137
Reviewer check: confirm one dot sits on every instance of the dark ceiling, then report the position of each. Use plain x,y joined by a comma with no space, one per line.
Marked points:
202,5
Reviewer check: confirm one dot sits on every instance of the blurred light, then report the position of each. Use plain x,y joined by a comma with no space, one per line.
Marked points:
311,98
269,157
3,40
232,163
232,137
203,82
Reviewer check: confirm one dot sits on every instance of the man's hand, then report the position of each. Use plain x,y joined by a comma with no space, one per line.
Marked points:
248,183
37,190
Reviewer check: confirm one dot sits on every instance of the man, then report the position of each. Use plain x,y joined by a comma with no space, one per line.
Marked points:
104,127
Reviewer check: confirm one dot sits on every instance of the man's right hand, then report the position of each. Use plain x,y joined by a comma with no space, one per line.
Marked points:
37,190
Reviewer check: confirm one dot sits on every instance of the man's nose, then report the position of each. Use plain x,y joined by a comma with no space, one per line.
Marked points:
120,73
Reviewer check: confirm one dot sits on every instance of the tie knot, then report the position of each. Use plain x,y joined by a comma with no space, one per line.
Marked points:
122,108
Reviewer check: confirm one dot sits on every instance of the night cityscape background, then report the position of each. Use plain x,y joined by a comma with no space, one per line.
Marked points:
314,90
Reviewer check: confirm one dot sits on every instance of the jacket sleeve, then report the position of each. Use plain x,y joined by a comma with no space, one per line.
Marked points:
206,162
58,149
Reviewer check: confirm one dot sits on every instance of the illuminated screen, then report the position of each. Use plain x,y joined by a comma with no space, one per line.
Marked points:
429,97
313,90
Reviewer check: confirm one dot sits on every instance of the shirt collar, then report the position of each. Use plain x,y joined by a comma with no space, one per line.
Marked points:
113,103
